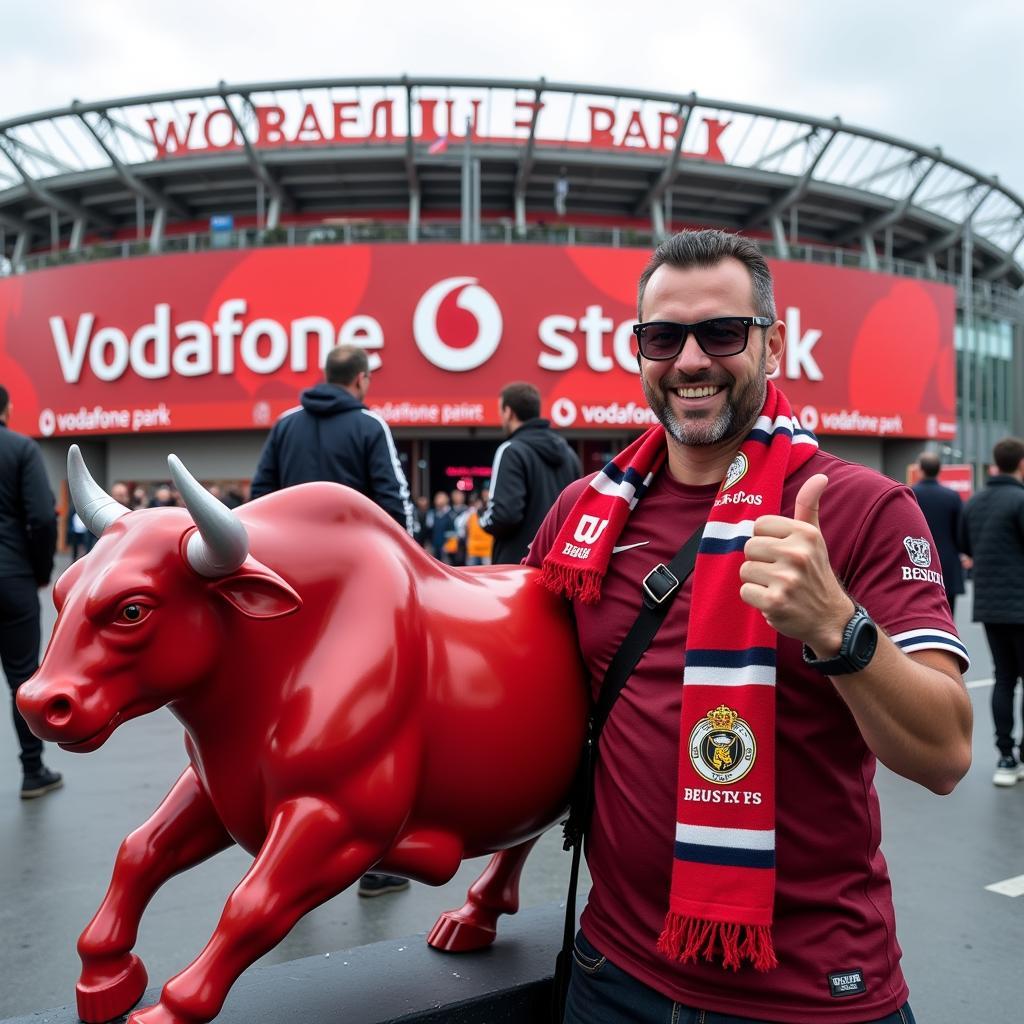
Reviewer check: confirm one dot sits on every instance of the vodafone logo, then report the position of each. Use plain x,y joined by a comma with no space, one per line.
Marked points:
563,412
809,418
47,422
473,299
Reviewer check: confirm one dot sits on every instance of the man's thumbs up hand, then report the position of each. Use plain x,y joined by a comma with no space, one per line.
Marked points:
808,500
786,575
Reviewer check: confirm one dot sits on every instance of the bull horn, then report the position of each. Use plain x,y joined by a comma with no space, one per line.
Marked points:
94,506
221,545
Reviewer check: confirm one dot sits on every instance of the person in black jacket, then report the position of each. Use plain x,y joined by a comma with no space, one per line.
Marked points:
530,470
333,436
993,535
943,510
28,536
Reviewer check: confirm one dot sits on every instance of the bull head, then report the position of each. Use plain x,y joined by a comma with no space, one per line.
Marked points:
116,649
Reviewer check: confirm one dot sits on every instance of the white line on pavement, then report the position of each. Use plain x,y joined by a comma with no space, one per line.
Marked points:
975,684
1008,887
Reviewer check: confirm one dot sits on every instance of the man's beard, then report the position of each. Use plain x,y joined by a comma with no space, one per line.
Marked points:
741,408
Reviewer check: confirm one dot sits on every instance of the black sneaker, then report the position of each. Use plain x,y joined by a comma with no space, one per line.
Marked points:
40,783
1008,772
374,884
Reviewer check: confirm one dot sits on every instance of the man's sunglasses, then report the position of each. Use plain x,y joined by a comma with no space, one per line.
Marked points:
722,336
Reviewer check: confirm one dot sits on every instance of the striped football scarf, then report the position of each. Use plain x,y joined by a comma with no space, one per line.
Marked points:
723,871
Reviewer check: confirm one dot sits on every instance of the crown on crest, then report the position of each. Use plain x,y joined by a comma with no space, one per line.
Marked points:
722,717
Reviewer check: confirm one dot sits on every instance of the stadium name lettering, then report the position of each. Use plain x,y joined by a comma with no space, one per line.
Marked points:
433,121
193,348
264,345
556,333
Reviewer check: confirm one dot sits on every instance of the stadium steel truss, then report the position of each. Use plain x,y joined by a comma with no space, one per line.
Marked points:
388,158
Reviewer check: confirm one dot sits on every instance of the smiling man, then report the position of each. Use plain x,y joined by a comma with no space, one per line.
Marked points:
734,843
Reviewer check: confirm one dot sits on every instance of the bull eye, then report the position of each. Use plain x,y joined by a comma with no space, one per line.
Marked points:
134,612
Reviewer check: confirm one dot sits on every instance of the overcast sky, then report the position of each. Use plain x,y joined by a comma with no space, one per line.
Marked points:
935,73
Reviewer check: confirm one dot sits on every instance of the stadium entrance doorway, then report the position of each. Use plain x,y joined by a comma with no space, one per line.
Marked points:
463,465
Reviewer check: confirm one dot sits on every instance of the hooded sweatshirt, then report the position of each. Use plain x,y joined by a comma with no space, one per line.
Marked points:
530,471
333,436
28,523
992,533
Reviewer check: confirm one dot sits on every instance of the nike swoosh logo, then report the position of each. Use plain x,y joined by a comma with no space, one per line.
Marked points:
627,547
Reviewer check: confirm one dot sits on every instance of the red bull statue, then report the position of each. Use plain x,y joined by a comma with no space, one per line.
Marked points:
348,703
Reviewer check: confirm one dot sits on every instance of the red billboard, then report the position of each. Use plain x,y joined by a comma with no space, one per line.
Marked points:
226,340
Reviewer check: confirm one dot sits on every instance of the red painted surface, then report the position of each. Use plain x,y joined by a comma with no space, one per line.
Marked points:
348,702
226,340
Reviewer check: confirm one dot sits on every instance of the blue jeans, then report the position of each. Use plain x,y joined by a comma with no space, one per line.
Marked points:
601,993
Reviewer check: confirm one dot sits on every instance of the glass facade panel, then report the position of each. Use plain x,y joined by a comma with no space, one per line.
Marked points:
984,380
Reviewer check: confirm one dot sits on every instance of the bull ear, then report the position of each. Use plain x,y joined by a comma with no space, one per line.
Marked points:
257,592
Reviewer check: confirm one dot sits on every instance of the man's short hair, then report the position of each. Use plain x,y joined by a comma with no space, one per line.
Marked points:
706,249
1008,453
5,399
344,364
930,464
522,398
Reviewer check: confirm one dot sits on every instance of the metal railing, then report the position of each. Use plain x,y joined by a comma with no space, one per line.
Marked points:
120,135
990,297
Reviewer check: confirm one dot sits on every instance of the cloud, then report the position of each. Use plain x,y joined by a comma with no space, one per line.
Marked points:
930,74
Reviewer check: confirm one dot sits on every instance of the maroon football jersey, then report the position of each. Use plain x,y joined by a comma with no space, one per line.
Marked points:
834,926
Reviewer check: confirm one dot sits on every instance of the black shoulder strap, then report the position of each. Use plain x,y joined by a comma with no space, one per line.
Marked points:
660,587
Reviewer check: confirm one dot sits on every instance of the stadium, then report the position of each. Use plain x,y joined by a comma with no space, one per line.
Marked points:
173,268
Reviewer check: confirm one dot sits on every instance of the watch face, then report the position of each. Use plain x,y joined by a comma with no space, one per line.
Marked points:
863,642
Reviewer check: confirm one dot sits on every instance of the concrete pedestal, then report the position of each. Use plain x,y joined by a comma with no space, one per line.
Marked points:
399,981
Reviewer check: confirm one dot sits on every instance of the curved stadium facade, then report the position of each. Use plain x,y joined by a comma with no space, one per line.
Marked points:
173,267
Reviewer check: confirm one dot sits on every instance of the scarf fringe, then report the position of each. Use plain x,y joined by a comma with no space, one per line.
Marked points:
574,584
686,938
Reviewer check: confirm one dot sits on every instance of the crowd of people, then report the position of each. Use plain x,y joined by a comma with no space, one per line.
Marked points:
449,527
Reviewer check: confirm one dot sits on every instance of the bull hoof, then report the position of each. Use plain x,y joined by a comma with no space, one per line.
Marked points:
455,931
104,998
160,1014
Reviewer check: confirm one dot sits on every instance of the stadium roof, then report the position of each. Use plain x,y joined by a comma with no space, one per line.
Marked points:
395,146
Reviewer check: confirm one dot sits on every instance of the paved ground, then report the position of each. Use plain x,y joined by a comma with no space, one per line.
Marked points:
962,942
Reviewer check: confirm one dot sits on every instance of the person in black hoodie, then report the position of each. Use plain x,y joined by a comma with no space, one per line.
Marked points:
530,471
993,535
333,436
28,536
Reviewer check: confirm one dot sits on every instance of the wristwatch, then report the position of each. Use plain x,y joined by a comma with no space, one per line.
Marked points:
860,638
